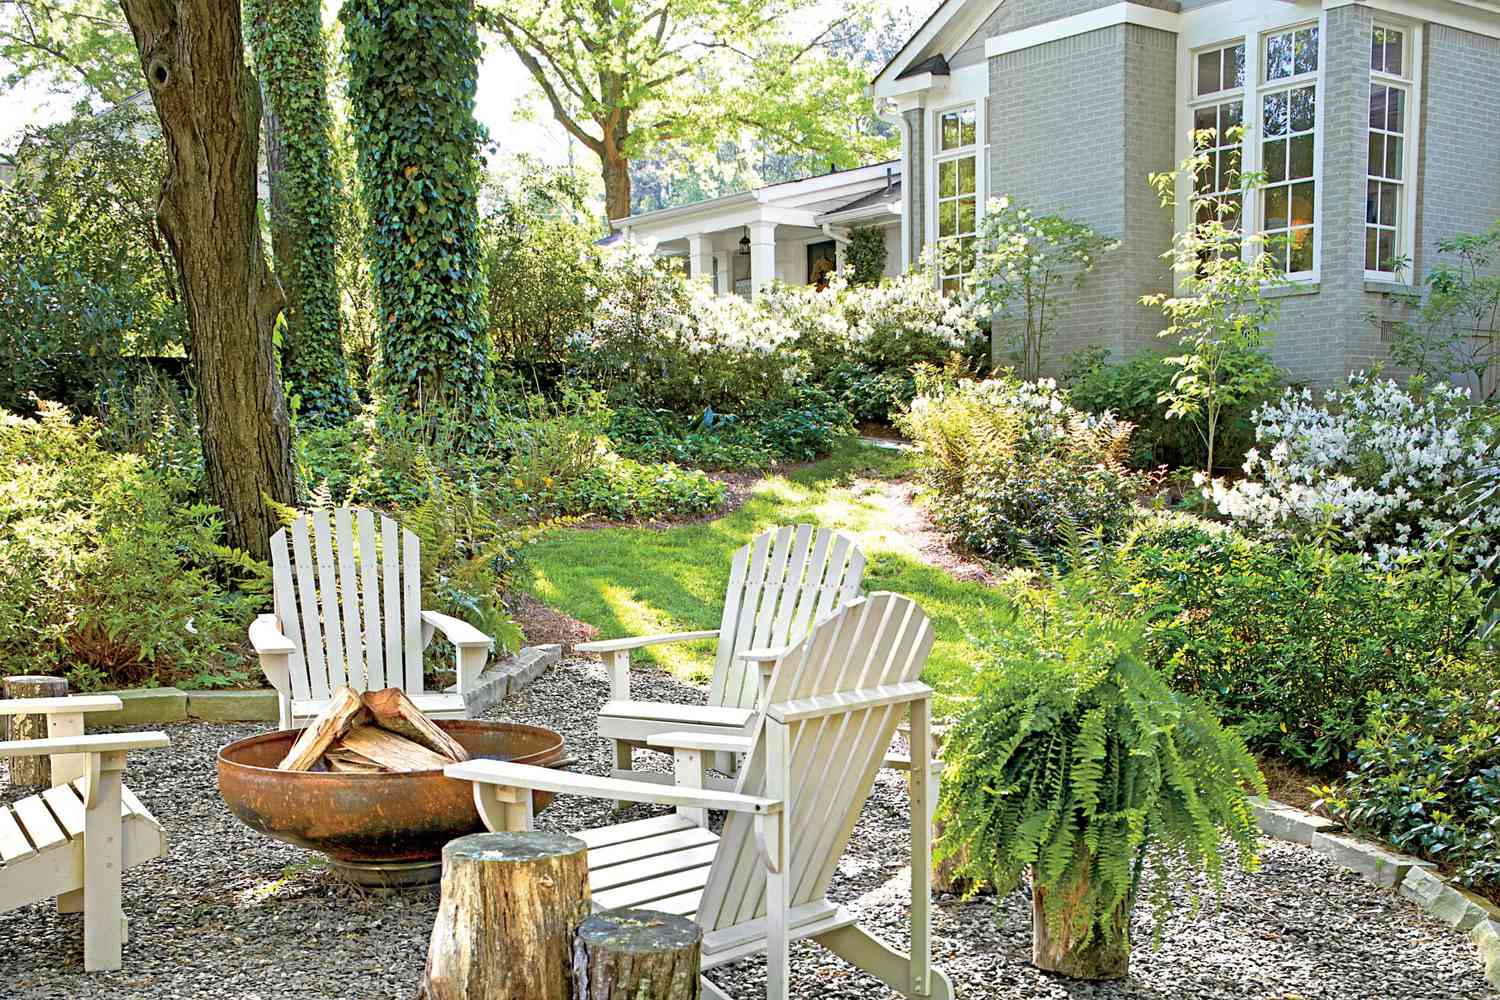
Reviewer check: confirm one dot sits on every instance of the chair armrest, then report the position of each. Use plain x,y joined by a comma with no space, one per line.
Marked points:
508,775
58,706
767,655
460,633
266,637
98,743
701,741
641,642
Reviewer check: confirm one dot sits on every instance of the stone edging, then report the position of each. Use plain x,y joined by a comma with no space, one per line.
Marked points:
1414,879
159,706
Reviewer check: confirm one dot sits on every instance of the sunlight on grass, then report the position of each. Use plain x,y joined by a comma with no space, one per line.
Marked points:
639,581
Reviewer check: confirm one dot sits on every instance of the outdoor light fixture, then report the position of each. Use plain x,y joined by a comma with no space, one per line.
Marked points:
745,243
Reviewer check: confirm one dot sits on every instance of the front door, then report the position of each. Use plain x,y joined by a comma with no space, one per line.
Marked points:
822,262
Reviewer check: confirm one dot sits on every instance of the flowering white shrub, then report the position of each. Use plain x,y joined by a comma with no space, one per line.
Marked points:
903,316
1374,464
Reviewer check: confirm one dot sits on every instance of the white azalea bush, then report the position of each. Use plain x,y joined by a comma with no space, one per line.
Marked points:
862,342
1011,468
1375,466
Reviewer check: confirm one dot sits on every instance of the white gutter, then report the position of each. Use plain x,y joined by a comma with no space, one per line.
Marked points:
828,232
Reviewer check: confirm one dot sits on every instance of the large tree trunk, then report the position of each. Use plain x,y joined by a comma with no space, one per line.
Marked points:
209,106
616,180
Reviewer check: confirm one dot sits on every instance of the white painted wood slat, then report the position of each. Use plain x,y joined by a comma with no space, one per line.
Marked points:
328,591
36,819
13,843
284,590
354,653
67,807
390,582
604,836
369,578
411,610
307,599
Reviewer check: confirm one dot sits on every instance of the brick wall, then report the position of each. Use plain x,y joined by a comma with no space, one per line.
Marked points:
1075,127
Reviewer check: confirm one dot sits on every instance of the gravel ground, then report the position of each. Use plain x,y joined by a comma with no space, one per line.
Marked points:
229,913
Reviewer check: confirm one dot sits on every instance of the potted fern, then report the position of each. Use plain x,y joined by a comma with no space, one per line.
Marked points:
1077,765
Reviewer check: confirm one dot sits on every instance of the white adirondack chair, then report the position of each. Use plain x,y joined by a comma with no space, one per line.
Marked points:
834,701
348,610
74,839
779,584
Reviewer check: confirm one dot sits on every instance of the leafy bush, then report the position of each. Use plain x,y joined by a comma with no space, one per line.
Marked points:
1009,465
1374,467
1132,390
1288,641
1077,762
110,572
86,279
1426,778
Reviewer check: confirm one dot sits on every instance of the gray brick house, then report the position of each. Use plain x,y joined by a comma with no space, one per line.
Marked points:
1376,124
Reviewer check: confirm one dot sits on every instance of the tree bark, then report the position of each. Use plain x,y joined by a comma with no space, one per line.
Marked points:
35,772
640,954
209,106
511,904
1060,953
616,170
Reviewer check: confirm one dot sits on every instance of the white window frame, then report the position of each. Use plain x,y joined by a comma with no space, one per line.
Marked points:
1410,83
1224,95
938,155
1265,87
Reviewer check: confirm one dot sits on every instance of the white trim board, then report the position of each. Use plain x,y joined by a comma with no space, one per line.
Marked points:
1078,24
956,18
1479,19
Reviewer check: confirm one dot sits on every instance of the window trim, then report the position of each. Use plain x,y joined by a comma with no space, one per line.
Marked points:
937,155
1406,244
1215,100
1263,87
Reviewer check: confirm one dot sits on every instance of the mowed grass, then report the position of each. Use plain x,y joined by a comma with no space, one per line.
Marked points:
641,581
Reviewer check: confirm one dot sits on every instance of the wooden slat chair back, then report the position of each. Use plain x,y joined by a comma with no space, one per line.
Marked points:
347,588
780,583
348,592
830,759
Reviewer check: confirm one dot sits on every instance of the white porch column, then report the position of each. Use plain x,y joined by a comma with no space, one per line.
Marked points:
762,256
839,245
700,257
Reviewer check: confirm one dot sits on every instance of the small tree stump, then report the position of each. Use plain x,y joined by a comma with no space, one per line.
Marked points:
510,907
1060,953
35,772
640,954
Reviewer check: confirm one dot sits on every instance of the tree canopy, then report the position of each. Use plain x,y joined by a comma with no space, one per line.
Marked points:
627,76
76,45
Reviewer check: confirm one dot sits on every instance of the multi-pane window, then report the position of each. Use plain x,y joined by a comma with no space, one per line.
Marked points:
1288,123
957,194
1218,119
1385,184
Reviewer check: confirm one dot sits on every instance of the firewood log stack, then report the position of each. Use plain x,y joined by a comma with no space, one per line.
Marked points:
372,733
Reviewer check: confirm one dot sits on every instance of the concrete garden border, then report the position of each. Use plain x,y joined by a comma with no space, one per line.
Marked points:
157,706
1413,878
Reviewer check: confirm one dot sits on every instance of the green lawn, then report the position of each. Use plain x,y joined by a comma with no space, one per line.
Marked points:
638,581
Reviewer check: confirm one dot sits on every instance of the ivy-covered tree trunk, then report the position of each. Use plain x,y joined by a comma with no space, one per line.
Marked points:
192,53
413,67
292,59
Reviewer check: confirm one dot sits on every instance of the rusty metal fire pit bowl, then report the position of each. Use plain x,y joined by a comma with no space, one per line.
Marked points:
382,830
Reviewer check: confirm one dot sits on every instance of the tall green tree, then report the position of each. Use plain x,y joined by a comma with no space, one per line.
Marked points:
626,76
413,68
193,58
81,46
291,56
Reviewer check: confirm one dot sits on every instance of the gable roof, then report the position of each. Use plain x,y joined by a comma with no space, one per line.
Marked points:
941,34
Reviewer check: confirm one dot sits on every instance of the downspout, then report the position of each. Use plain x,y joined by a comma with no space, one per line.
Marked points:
828,232
899,120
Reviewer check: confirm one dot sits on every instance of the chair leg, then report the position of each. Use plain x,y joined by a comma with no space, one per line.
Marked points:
624,762
712,992
103,852
864,951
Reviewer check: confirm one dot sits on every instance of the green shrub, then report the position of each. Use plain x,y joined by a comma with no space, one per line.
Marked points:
110,572
802,427
1132,390
1076,761
621,489
1288,642
1009,466
1426,778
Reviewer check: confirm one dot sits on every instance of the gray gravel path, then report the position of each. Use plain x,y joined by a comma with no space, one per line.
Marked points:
231,914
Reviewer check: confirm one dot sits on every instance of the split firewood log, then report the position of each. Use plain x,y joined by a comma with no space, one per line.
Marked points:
345,710
391,751
391,709
344,761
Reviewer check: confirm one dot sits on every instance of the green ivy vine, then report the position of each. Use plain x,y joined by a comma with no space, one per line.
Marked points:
291,57
866,254
413,67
